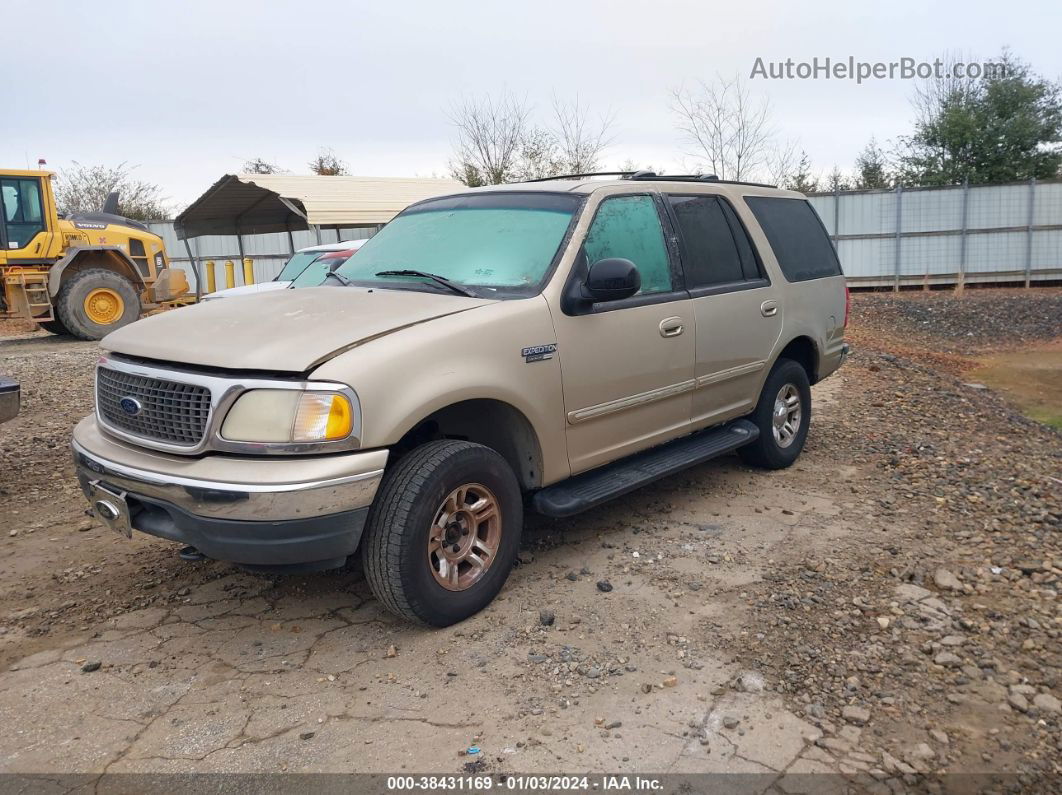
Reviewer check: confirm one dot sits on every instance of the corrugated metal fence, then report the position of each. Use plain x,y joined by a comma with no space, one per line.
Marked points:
885,238
927,236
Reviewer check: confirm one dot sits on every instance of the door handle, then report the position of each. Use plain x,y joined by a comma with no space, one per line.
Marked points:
671,327
769,308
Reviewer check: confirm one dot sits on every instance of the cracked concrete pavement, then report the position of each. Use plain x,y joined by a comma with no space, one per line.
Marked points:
239,672
205,668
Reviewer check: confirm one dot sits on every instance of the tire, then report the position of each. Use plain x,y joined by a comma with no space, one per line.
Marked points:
53,326
767,452
399,565
71,301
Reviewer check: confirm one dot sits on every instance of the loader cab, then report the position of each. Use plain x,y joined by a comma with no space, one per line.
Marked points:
27,214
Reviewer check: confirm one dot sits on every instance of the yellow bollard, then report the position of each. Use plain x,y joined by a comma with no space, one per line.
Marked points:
211,284
230,274
248,270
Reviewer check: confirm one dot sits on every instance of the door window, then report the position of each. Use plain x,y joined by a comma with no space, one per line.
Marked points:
629,227
23,211
711,255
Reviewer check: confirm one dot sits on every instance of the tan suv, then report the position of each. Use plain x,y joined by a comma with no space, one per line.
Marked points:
547,345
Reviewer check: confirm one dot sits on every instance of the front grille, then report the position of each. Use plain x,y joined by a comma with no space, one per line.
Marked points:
169,411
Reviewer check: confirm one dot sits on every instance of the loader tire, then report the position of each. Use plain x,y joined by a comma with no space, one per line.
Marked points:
95,302
53,326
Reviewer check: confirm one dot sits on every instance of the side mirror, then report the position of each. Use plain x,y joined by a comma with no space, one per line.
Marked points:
611,280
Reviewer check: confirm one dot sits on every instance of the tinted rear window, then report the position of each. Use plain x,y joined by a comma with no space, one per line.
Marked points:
711,254
796,234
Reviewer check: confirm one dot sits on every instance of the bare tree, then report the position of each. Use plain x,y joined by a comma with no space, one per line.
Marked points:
539,156
259,165
580,141
728,130
82,189
781,162
933,94
490,133
327,164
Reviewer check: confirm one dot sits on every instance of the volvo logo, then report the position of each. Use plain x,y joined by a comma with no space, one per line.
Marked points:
131,406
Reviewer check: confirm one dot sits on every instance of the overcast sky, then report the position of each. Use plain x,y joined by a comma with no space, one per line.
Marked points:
189,90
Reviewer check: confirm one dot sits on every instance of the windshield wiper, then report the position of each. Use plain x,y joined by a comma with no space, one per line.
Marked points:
339,277
457,288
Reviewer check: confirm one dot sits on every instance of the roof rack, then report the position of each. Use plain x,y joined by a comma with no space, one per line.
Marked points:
623,174
650,175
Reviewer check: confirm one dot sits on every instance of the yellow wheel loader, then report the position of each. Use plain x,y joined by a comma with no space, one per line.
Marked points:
84,275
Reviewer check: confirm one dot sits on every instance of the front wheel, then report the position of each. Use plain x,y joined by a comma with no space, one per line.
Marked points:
93,303
443,532
783,415
53,326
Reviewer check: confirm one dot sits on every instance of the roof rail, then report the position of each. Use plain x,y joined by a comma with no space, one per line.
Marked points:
624,174
650,175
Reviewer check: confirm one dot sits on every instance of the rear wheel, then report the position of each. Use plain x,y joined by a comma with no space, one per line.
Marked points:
444,532
95,302
782,415
53,326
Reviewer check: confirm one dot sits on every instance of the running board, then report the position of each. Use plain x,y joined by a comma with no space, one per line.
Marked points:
597,486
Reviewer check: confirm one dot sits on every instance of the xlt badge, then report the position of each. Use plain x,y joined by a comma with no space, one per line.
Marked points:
538,353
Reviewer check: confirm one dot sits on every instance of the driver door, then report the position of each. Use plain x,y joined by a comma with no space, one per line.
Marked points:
627,365
24,234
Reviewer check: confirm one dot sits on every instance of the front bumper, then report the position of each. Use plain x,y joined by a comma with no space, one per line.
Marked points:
305,512
9,399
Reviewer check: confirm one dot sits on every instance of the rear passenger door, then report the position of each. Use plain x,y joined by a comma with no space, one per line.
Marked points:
737,311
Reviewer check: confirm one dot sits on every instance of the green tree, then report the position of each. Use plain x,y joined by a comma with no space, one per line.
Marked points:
1005,126
836,181
872,168
801,178
84,189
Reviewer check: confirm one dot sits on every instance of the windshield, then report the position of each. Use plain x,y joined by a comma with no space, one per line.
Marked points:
500,244
316,272
297,264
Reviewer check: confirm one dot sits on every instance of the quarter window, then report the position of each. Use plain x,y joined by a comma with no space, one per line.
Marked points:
23,212
628,227
796,235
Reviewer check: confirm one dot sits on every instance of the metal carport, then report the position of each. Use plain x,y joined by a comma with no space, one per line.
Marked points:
248,204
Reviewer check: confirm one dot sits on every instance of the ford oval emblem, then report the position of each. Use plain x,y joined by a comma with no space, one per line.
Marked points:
131,406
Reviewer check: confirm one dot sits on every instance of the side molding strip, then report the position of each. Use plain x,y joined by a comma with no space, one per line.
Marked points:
662,393
612,406
733,372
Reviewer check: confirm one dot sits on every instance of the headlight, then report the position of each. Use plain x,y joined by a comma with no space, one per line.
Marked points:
289,416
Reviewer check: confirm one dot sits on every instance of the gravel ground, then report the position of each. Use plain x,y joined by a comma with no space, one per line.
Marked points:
977,320
884,612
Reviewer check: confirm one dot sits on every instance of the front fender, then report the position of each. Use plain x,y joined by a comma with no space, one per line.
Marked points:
114,255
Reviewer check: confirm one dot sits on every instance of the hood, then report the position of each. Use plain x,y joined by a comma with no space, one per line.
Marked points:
245,289
280,331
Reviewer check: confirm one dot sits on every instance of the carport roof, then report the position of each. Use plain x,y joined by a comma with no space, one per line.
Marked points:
256,203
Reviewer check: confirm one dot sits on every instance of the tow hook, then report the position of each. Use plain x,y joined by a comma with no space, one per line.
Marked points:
191,554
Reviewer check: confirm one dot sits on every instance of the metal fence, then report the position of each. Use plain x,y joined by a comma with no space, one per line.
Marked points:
957,235
885,238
